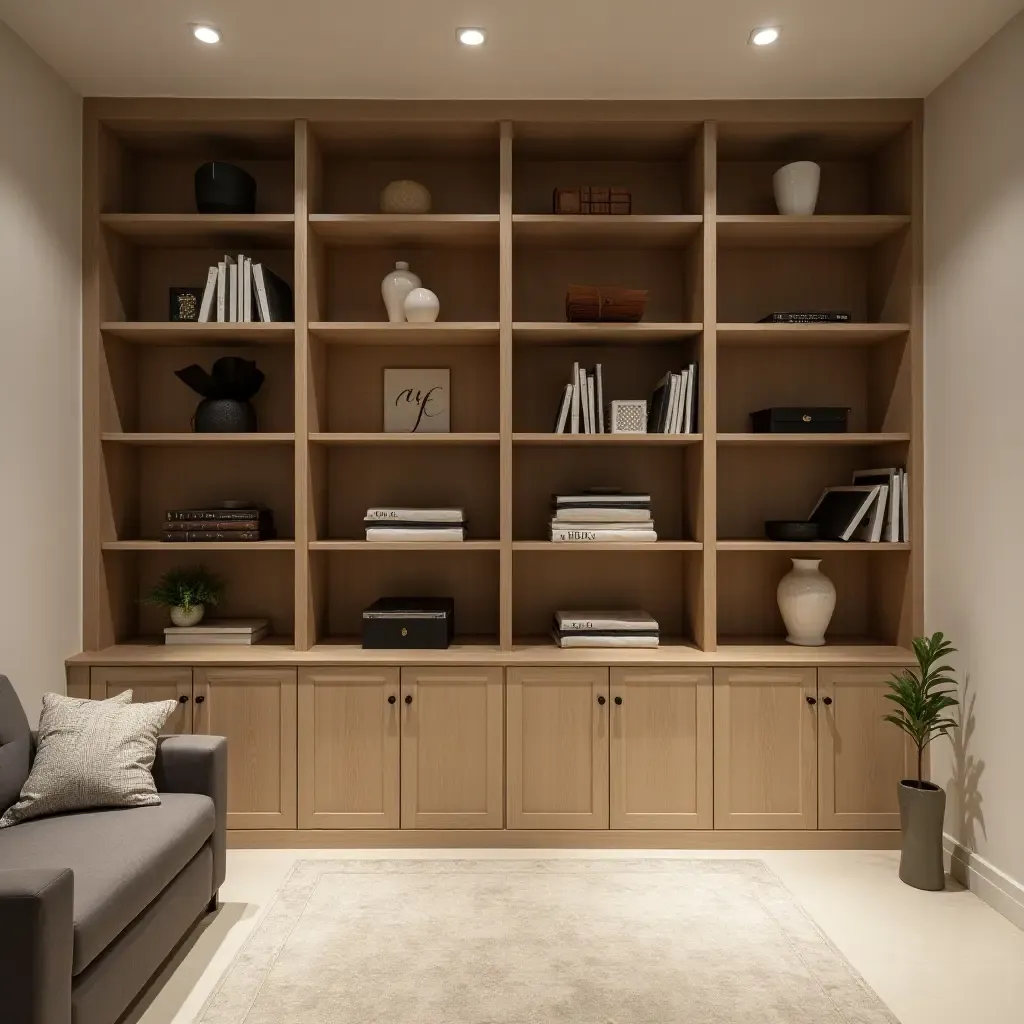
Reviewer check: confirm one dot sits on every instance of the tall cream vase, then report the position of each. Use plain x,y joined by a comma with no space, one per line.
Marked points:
807,599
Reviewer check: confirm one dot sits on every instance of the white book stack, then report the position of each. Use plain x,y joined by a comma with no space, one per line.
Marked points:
241,632
889,519
602,517
673,406
581,407
242,292
405,525
605,629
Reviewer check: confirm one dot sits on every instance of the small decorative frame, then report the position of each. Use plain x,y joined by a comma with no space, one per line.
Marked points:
184,304
628,416
417,401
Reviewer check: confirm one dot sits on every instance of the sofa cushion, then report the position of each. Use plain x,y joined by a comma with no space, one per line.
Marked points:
121,859
15,745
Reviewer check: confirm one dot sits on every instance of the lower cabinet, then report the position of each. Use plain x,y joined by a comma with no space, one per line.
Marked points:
149,684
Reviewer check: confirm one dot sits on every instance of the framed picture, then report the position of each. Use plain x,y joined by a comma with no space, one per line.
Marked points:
417,401
184,303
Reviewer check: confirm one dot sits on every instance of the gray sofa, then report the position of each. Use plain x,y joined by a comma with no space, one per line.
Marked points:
92,903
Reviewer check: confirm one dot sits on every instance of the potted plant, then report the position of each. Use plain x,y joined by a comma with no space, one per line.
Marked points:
923,702
187,592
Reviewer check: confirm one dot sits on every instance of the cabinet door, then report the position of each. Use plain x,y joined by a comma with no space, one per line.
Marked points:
661,748
149,684
453,756
766,748
861,758
348,748
557,748
255,709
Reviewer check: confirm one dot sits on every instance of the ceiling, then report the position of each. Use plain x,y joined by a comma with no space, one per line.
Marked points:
537,49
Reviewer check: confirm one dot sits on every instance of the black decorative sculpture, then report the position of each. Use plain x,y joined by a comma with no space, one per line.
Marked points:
226,390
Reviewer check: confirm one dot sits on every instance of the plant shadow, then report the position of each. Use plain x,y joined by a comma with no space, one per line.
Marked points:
966,813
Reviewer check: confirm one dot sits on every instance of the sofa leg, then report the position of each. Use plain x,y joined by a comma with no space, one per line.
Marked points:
214,905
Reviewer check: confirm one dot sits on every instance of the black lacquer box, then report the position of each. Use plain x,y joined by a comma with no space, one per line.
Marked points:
800,420
424,623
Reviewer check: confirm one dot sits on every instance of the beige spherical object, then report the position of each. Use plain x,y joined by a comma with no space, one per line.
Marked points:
405,197
421,306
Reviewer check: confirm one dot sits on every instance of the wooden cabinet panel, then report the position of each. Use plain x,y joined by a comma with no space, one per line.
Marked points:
765,748
78,682
349,748
255,709
557,731
661,748
149,683
453,756
861,758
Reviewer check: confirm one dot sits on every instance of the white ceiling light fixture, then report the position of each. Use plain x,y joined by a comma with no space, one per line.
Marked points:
472,36
206,34
764,36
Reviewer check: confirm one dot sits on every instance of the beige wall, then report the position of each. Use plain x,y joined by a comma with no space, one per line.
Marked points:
974,411
40,323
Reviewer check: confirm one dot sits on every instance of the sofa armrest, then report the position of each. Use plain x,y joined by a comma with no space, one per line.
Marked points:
198,764
36,942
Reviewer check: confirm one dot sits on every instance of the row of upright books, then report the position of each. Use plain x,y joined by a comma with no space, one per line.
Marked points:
209,525
240,291
874,508
602,517
415,524
605,629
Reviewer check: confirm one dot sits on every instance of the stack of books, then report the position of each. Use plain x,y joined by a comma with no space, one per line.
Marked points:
218,631
198,525
581,409
602,517
674,403
874,508
415,524
605,629
240,291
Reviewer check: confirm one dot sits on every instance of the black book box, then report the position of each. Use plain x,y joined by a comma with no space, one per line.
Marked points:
800,420
423,623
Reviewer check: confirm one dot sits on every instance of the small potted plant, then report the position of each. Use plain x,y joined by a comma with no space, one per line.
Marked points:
187,592
923,698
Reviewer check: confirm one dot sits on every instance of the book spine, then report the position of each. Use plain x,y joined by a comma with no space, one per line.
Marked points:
807,318
209,536
212,524
564,534
232,515
222,292
599,398
575,417
261,292
209,295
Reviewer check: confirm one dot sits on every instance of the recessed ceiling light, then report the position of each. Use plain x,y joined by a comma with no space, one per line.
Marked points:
764,36
472,36
206,34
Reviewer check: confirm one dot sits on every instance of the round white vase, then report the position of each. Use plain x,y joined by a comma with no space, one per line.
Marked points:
807,599
394,288
192,617
421,306
796,187
405,197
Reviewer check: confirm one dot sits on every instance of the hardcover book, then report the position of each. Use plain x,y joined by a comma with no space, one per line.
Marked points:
813,317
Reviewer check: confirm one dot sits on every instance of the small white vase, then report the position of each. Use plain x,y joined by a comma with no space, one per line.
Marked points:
796,187
807,599
192,617
394,288
405,197
421,306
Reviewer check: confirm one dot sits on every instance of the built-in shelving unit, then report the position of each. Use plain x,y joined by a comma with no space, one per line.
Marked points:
704,240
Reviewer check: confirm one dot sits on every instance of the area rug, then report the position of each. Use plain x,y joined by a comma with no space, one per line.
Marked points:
539,942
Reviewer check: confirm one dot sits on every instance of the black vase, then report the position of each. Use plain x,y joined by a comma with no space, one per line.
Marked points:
224,188
224,416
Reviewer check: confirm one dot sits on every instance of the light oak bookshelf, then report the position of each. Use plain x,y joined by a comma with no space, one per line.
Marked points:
703,238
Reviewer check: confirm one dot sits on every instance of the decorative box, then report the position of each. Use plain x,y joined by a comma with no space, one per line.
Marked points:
800,420
628,417
595,199
426,623
590,304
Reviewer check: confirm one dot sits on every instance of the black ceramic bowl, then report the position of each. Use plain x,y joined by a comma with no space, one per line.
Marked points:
790,529
224,188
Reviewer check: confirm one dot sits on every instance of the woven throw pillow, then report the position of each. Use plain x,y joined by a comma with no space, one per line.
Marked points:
92,754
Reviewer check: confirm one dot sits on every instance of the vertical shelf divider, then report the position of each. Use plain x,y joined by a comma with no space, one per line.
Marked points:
305,618
915,460
505,356
707,621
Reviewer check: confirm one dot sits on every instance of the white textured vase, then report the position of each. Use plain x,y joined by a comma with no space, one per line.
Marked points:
796,187
405,197
421,306
394,288
807,599
192,617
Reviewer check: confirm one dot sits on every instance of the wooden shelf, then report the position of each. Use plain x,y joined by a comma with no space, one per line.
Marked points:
210,440
539,333
809,547
654,547
184,230
388,229
355,333
808,334
156,333
375,438
611,232
366,545
159,545
799,440
612,440
774,230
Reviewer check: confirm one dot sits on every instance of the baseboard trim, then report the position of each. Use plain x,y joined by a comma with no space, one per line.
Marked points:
1001,892
604,839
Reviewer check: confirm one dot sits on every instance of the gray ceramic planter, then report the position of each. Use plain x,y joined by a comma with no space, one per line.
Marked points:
921,815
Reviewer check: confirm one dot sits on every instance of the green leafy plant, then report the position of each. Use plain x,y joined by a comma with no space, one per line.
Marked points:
921,698
185,588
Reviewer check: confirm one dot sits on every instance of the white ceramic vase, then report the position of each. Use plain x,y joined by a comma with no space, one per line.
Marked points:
405,197
807,599
192,617
421,306
796,187
394,288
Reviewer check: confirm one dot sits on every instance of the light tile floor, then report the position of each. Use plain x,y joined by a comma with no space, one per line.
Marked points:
934,958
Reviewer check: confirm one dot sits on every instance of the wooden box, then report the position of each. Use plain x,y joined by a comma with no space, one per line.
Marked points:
593,199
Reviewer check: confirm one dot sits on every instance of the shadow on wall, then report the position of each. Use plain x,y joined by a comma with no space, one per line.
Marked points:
965,811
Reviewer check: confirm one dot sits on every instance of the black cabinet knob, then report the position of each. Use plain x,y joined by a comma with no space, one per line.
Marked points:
827,700
392,699
600,700
183,699
811,700
408,698
618,700
199,700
